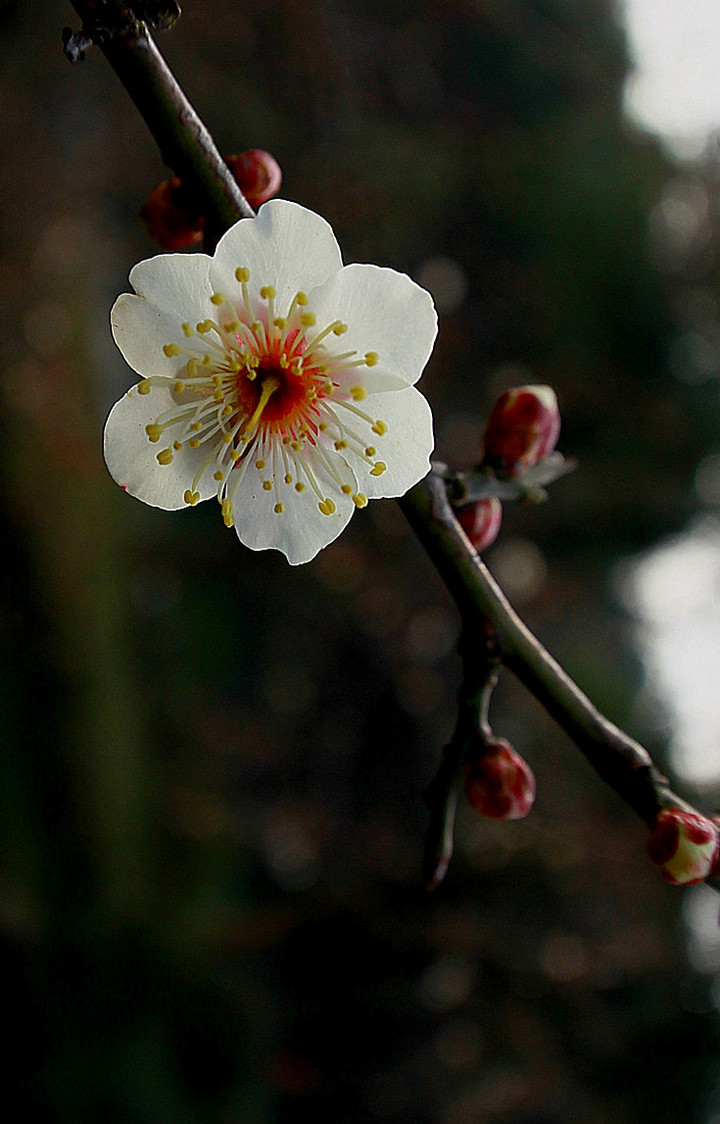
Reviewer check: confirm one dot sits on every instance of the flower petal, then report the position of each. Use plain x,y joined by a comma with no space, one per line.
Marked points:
301,530
385,312
141,330
286,246
132,458
406,446
175,283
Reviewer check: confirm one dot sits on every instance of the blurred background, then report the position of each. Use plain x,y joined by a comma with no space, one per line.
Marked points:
212,767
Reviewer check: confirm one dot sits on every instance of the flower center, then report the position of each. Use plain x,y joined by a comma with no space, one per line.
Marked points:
266,390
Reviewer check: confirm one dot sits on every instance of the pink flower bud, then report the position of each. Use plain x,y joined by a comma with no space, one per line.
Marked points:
522,430
169,220
174,224
684,844
258,175
481,521
498,782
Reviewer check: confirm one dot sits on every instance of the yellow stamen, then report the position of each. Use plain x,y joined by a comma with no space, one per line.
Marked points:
144,387
378,468
165,456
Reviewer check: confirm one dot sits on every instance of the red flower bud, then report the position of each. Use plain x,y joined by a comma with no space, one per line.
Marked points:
174,224
169,220
522,429
498,782
258,175
685,845
481,521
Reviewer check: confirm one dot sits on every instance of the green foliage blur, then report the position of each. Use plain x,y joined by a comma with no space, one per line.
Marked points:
212,767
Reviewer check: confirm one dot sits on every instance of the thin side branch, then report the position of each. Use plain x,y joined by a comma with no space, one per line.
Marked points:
184,142
621,761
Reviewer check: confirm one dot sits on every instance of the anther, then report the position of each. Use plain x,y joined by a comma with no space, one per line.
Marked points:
242,274
340,329
218,475
154,432
191,497
165,456
218,298
360,500
144,387
267,293
279,508
370,451
307,319
346,489
171,349
178,386
187,329
267,485
327,507
259,465
299,487
358,393
380,428
301,298
371,358
378,468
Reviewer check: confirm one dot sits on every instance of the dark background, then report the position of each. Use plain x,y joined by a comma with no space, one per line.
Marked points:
212,765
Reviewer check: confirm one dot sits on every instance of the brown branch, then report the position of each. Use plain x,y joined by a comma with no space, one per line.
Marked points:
184,142
189,150
621,761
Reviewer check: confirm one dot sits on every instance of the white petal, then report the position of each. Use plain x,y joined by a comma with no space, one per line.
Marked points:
286,246
406,447
132,458
373,380
141,330
301,530
176,283
385,312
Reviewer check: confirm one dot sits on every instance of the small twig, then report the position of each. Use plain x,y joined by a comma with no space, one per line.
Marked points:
480,675
184,142
621,761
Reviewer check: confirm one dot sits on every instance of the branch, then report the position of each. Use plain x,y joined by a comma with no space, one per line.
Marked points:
621,761
492,631
184,142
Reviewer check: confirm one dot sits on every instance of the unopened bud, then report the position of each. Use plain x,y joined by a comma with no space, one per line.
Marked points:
522,430
258,175
684,844
481,521
498,782
168,218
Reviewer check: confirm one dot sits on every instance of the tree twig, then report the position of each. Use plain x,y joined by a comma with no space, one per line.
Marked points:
184,142
188,148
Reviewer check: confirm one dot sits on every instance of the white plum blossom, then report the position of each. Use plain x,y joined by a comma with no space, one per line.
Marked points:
274,379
